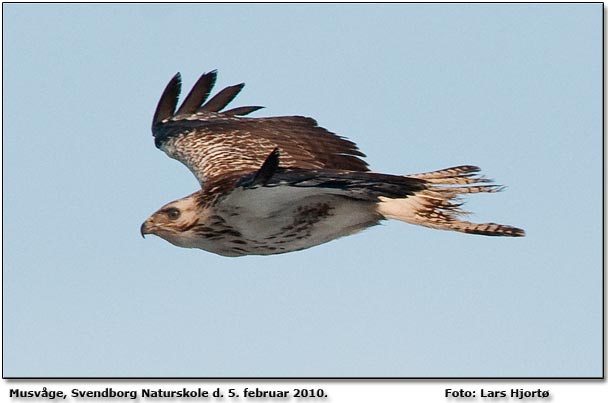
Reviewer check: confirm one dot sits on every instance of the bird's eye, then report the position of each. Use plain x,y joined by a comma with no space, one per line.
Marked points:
173,213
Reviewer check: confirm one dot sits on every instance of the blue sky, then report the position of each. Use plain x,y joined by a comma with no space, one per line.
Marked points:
515,89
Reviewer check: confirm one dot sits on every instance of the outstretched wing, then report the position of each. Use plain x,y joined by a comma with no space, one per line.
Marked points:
215,144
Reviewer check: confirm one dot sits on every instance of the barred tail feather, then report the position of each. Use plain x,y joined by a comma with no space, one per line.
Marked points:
438,206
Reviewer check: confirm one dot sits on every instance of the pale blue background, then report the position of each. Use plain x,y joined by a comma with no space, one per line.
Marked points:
515,89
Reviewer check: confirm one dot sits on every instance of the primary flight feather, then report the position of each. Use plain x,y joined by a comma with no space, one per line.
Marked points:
280,184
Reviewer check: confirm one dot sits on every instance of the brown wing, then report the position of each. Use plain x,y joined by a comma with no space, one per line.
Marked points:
213,144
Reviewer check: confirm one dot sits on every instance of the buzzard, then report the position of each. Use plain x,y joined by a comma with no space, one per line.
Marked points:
280,184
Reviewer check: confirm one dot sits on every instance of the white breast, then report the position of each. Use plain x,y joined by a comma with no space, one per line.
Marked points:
288,218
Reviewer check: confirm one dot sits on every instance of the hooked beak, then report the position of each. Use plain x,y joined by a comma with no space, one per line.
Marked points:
144,229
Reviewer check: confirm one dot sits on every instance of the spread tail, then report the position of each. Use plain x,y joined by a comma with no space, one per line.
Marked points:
438,204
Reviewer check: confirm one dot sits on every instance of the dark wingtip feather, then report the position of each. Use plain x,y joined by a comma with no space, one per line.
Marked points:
222,98
268,168
198,94
242,110
168,100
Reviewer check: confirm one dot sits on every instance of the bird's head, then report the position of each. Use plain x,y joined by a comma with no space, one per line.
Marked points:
175,221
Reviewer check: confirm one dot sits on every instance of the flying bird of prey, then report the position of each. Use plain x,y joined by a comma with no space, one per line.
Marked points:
280,184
